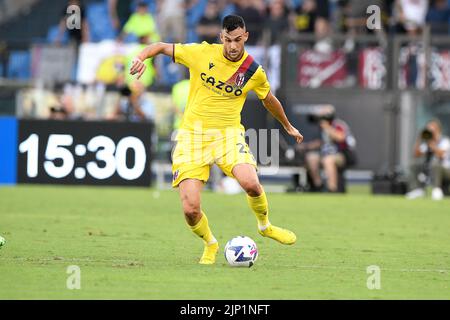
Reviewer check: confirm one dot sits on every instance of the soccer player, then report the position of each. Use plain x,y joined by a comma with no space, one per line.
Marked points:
221,75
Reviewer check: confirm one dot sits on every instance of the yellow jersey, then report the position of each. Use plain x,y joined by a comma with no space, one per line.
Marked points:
218,86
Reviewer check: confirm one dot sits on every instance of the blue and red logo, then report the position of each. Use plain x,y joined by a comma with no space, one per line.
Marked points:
175,175
240,79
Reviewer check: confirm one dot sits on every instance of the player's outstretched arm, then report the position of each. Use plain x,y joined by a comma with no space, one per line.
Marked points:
274,106
138,67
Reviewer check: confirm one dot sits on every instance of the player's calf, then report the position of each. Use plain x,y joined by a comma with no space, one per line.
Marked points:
252,188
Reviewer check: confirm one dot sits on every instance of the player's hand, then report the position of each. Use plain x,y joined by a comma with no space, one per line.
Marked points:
293,132
137,67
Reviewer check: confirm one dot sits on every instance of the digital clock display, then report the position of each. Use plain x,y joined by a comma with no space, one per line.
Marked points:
79,152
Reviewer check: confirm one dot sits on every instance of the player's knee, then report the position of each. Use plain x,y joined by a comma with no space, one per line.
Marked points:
252,188
191,210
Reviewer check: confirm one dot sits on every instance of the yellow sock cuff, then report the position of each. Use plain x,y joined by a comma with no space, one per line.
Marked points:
260,208
202,230
200,223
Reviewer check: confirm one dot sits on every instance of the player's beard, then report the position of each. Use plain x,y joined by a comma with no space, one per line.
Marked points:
234,56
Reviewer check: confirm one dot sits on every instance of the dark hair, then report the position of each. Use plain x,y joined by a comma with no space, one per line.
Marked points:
232,22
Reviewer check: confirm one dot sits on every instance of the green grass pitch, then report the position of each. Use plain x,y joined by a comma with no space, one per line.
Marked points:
132,243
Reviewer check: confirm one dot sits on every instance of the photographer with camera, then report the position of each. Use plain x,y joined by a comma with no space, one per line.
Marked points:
334,151
432,162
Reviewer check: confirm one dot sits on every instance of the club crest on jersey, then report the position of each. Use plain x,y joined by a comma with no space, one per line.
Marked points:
240,79
175,175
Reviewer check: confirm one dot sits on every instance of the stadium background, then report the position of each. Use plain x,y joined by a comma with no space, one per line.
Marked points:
387,87
385,84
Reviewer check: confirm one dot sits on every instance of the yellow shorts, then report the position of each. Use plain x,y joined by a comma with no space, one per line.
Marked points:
194,154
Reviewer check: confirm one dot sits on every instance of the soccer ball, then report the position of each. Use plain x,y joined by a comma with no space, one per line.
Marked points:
241,252
2,241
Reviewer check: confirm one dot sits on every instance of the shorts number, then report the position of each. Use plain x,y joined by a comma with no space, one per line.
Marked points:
242,147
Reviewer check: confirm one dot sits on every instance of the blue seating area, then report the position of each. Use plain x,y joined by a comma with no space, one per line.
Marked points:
52,35
19,65
101,29
100,26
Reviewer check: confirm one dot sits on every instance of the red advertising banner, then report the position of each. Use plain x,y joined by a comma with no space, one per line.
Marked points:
318,69
413,69
440,70
372,68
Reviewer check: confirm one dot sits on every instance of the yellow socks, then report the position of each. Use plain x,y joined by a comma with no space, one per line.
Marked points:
202,230
260,208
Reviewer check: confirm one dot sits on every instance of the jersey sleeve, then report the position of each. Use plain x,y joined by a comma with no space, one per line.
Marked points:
262,86
187,54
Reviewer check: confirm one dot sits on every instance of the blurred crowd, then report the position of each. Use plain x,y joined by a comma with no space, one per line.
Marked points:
115,26
147,21
141,22
171,20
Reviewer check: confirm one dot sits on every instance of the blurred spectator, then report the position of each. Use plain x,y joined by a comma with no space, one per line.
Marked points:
410,15
322,24
335,150
180,93
253,20
133,106
119,12
64,108
356,15
148,78
277,21
313,16
439,17
261,6
171,19
76,36
277,24
354,22
141,24
58,113
305,15
432,161
209,26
